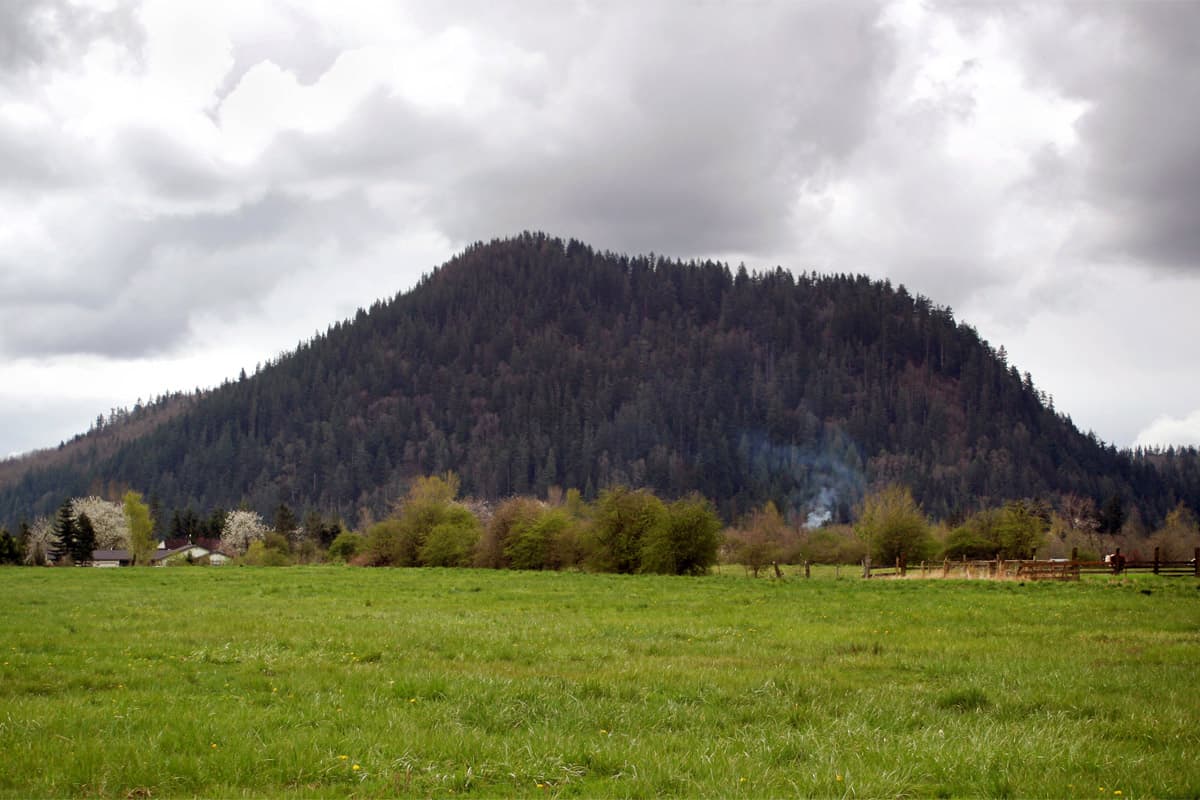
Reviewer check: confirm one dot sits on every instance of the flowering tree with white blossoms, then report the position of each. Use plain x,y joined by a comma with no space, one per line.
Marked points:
40,541
108,519
241,528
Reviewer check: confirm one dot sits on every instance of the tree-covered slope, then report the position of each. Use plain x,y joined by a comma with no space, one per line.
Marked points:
532,362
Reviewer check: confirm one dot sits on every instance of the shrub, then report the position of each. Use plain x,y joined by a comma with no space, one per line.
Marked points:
760,540
451,543
384,543
833,544
965,542
894,526
259,555
512,513
684,541
531,544
346,546
622,518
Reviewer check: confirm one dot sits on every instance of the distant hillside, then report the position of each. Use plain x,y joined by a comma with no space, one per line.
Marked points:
533,362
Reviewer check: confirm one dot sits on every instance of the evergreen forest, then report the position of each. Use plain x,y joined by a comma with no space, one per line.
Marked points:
535,362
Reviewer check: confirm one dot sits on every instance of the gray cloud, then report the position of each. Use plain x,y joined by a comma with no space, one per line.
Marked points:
385,138
1137,67
33,32
138,288
1142,128
682,133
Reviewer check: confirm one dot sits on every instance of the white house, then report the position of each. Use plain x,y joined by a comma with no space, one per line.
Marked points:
192,553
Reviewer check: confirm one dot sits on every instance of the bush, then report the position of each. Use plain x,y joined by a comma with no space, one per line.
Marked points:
685,541
622,518
451,543
512,513
384,543
894,526
259,555
963,542
832,544
534,542
761,540
346,546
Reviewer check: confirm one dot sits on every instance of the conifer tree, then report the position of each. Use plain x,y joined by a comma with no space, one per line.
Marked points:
66,533
85,540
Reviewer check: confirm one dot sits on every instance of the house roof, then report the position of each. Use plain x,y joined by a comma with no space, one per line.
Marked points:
160,554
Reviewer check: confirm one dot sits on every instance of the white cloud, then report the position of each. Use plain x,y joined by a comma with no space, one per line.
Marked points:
1166,431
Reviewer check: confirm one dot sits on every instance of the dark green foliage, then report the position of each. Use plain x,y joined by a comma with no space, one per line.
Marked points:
1112,515
66,533
321,531
532,362
85,540
285,520
10,548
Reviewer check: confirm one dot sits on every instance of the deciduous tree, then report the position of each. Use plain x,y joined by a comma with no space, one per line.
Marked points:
141,529
240,529
108,520
686,540
894,525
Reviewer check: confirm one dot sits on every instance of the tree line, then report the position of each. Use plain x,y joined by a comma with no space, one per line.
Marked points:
623,530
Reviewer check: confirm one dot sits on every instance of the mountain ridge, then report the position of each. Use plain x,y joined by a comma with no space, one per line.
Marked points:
532,361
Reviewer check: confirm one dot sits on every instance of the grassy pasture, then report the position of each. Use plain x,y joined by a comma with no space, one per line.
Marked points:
323,681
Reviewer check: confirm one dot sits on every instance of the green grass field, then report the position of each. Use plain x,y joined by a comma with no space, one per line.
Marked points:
327,681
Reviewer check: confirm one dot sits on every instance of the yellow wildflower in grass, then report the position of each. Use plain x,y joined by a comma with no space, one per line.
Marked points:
343,758
213,745
356,768
838,779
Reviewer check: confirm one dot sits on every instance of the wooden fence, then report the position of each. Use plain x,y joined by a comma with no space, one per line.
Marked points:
1061,569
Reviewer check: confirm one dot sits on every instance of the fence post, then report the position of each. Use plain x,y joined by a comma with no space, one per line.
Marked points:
1074,553
807,574
945,567
866,566
922,569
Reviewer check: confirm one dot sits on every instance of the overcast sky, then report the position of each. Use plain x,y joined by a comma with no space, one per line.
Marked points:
187,189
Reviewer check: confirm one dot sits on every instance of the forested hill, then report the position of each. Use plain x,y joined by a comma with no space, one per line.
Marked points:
533,362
